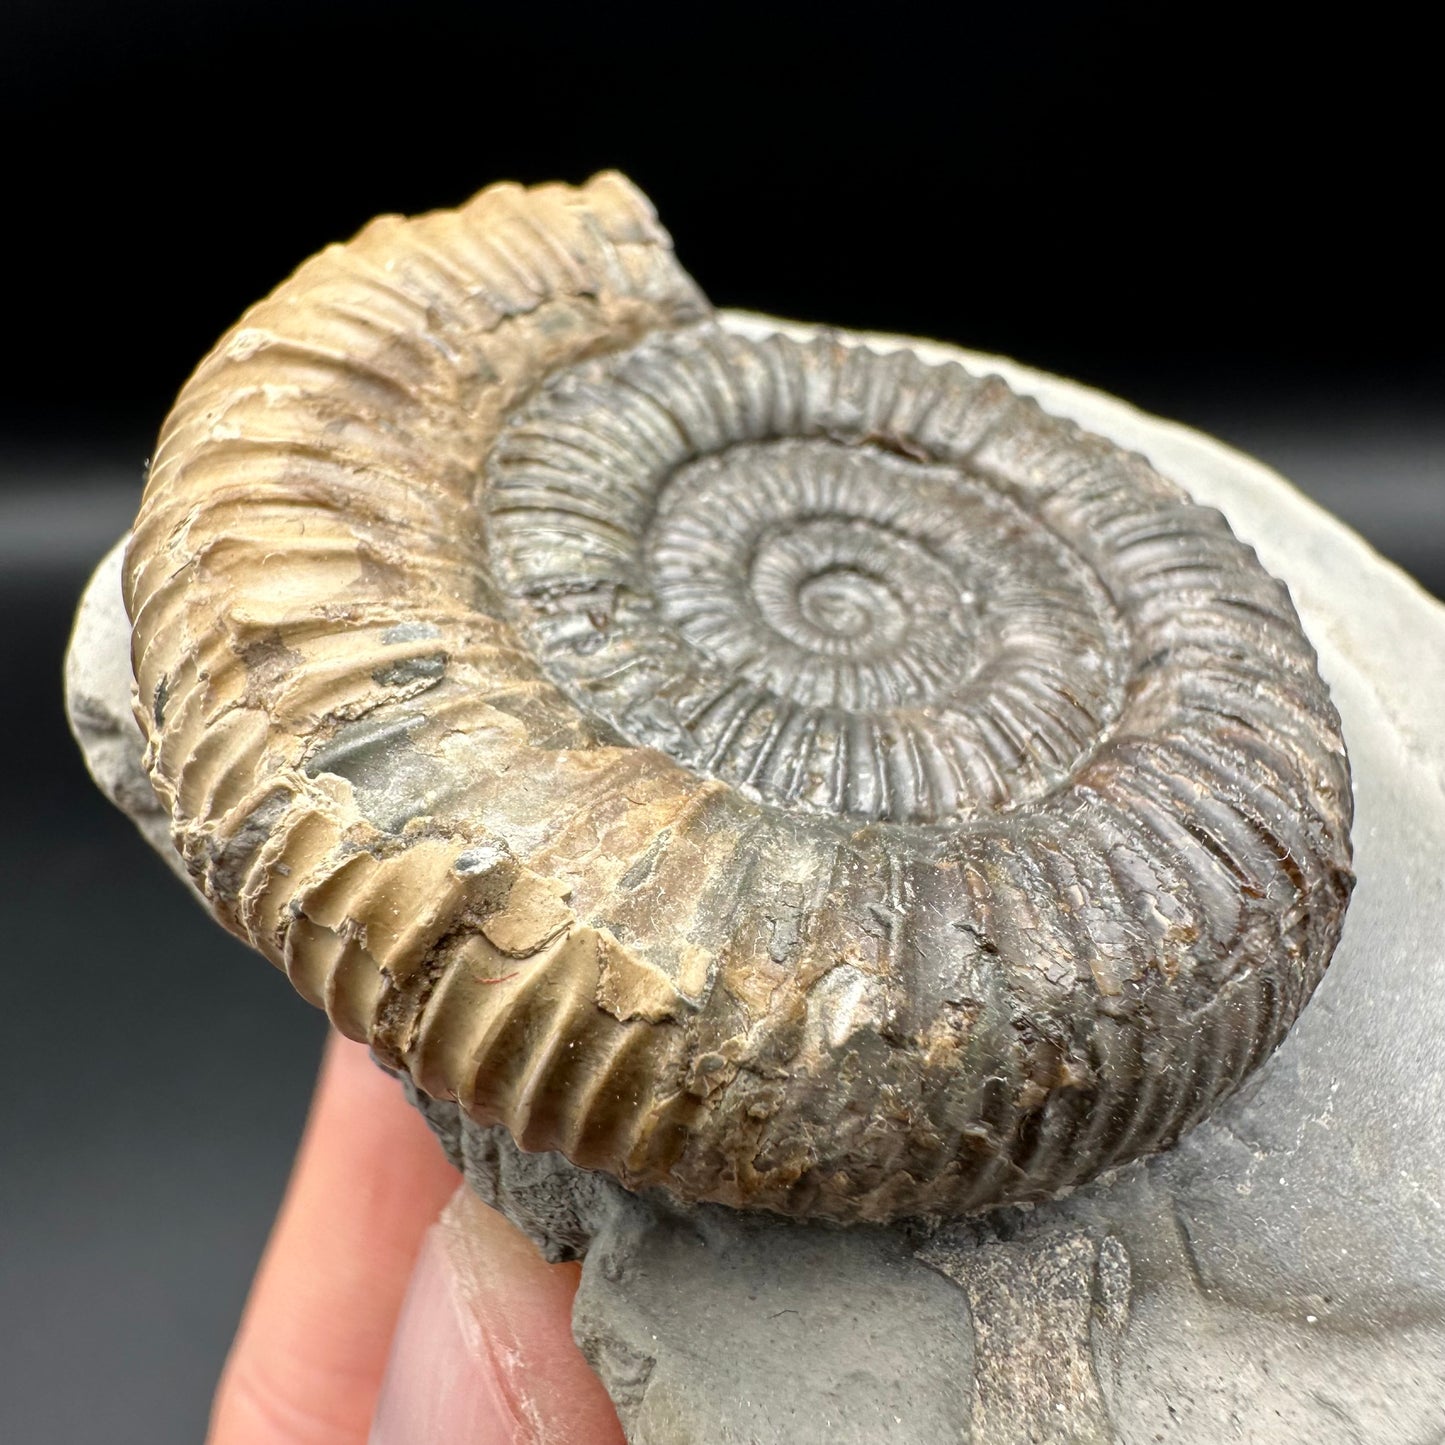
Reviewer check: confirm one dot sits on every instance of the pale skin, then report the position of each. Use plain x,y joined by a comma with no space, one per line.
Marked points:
312,1350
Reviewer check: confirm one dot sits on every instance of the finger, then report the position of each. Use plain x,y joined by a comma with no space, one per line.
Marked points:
368,1182
484,1350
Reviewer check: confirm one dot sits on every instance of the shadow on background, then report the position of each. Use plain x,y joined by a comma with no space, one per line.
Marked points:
1189,216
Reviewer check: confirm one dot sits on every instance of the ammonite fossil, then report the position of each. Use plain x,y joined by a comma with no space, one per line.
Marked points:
795,775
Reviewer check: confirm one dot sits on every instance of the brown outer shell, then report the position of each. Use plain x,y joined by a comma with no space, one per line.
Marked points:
375,784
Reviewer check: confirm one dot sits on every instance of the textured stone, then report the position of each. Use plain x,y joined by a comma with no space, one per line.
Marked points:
98,693
1278,1278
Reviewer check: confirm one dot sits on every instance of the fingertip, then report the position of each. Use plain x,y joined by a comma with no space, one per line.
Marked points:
484,1349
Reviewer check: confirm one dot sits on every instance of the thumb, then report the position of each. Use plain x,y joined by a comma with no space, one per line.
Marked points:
483,1352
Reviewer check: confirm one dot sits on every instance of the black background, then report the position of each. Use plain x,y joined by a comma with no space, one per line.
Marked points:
1223,222
1169,202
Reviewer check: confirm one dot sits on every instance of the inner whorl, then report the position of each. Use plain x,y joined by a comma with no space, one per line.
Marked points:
711,546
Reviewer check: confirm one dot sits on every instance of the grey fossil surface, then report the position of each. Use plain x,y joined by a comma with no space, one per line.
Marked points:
1278,1277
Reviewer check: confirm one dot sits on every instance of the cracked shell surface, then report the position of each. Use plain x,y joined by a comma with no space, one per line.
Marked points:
793,775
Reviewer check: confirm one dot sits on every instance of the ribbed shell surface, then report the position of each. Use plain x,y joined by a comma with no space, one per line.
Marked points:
799,777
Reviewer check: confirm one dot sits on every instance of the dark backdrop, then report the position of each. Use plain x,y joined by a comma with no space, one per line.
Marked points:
1222,223
1165,200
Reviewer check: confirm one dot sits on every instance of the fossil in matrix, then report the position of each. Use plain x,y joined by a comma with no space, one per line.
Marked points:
786,772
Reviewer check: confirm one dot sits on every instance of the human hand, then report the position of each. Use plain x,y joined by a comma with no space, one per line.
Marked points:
480,1344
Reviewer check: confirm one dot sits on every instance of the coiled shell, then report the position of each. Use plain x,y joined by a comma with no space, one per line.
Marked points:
800,777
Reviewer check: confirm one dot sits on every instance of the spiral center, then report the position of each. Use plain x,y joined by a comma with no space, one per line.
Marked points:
845,605
821,585
792,564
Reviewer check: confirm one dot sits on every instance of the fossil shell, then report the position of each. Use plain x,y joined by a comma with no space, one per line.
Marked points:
797,776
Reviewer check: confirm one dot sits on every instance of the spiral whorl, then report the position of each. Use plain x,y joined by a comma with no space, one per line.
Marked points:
740,553
799,776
